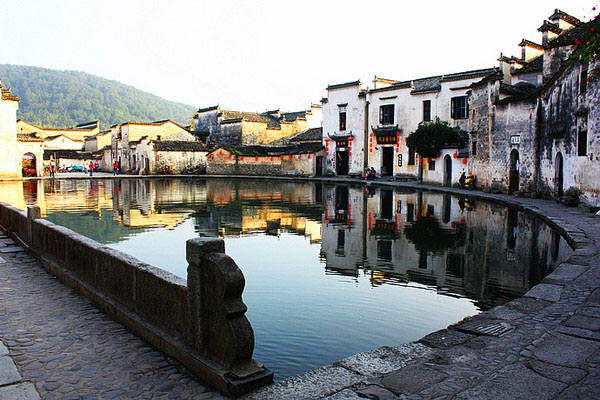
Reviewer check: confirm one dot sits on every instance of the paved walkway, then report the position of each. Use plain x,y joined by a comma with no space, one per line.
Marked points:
56,345
545,345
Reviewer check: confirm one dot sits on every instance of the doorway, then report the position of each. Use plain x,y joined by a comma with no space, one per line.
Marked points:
558,176
513,173
28,164
447,170
342,162
319,169
387,161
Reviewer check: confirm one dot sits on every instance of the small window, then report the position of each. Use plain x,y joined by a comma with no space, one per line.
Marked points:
426,110
583,81
459,107
411,156
474,148
342,120
431,164
386,114
582,143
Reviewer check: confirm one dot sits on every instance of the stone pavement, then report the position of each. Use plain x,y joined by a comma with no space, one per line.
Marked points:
56,345
545,345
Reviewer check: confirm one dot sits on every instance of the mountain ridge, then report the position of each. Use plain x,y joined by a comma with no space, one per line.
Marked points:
60,99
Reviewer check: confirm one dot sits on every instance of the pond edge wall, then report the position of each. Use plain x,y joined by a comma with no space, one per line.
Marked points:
203,326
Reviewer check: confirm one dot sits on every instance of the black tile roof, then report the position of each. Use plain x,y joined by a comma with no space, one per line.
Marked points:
265,151
342,85
72,154
177,145
308,135
433,83
580,32
535,65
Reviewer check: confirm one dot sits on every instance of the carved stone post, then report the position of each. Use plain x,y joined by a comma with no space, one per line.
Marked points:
218,327
33,212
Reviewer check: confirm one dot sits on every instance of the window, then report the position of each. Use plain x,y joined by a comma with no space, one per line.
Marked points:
583,81
474,148
386,114
426,110
431,164
342,120
459,108
582,143
411,156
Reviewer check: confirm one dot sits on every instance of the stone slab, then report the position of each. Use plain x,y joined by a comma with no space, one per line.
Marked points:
589,311
556,372
11,249
345,394
527,304
315,384
578,332
545,291
21,391
412,379
3,349
584,322
563,350
8,371
565,273
2,260
504,313
515,382
385,359
446,338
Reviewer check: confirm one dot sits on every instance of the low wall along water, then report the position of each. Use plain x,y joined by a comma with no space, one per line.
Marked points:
201,324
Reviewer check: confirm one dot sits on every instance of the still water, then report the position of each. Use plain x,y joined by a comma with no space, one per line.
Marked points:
331,270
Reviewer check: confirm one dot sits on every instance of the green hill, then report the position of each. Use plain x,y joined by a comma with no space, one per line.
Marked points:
62,99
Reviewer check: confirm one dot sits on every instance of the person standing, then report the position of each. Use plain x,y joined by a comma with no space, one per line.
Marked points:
91,167
115,168
52,167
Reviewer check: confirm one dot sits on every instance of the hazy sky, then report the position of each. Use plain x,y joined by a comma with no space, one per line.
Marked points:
258,55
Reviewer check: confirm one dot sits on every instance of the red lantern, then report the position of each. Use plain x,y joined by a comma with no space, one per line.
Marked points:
464,160
290,157
454,155
299,157
309,156
256,159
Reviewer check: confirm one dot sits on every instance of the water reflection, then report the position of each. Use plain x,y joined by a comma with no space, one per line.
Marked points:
331,270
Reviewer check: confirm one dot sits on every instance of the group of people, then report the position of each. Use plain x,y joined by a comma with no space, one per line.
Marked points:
93,167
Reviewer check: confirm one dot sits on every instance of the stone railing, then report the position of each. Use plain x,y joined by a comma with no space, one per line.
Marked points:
201,324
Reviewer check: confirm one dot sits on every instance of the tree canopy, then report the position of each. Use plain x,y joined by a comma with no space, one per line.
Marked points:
431,136
63,99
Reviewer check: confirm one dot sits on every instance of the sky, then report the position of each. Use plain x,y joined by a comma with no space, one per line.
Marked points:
262,55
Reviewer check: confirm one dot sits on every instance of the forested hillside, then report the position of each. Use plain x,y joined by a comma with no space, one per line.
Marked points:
61,99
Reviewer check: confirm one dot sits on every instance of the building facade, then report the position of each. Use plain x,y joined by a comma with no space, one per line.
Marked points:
240,128
534,126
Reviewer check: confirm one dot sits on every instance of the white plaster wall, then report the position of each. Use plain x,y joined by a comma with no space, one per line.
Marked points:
408,109
10,157
355,124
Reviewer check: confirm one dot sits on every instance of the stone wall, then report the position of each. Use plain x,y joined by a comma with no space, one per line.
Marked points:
567,111
201,324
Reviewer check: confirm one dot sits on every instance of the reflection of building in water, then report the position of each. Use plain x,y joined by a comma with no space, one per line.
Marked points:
248,207
487,252
342,244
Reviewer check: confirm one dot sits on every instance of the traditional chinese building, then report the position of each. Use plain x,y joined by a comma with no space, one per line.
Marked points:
20,153
240,128
534,125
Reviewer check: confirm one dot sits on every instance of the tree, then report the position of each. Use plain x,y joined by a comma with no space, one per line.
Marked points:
431,136
587,48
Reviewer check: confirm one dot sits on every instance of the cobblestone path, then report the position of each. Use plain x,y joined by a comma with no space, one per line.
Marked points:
70,350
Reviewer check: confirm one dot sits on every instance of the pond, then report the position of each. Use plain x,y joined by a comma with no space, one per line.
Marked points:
331,270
